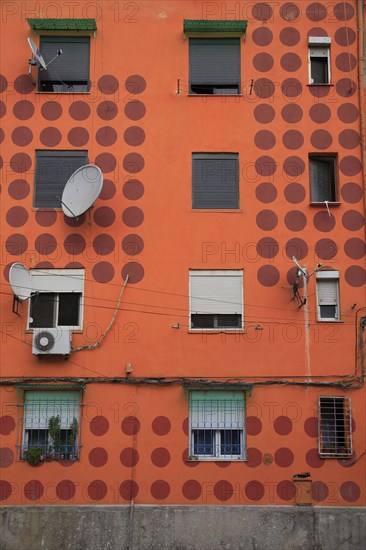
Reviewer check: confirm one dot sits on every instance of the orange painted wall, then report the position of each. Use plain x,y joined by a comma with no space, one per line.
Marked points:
137,56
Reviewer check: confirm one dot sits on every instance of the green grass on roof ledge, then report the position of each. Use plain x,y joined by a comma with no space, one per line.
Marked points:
214,25
62,24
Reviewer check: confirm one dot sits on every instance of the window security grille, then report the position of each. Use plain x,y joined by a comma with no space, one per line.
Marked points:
217,425
51,422
335,426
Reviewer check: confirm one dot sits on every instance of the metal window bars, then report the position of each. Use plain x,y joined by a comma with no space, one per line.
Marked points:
335,426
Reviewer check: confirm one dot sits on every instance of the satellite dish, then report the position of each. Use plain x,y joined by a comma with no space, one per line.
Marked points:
20,281
37,54
81,190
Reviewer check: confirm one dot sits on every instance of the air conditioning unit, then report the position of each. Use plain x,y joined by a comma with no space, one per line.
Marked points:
51,341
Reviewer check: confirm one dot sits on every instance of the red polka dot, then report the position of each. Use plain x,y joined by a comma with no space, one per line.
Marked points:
353,220
133,163
355,248
321,139
293,167
135,272
103,272
254,490
268,275
320,113
316,11
104,216
108,84
292,139
78,136
266,192
20,162
97,490
44,265
222,463
262,11
51,110
223,490
292,113
264,88
45,244
160,489
264,113
326,249
313,459
108,190
291,87
134,136
295,220
7,424
130,425
290,11
135,110
129,457
348,113
106,136
286,490
343,11
319,491
128,490
348,462
351,192
67,463
254,457
345,62
74,222
79,110
267,220
294,193
290,62
284,457
23,110
133,190
283,425
185,426
22,136
160,457
46,218
350,491
74,244
135,84
191,489
355,275
161,425
262,36
132,216
132,245
17,216
16,244
6,457
346,87
297,248
99,425
263,62
24,84
311,426
323,222
5,489
65,489
98,457
264,140
106,162
33,490
189,463
103,244
267,247
254,425
50,137
289,36
107,110
349,139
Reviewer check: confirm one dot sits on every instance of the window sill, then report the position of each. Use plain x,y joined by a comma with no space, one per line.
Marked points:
214,95
63,93
216,331
324,204
329,321
214,459
329,84
216,210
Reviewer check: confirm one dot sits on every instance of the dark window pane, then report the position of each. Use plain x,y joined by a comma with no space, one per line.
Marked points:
42,310
68,309
230,442
203,442
319,70
199,320
322,177
328,312
229,321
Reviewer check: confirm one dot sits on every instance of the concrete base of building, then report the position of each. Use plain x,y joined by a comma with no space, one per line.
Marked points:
143,527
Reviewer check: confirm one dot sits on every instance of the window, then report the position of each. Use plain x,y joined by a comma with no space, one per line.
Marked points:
322,170
57,299
51,423
216,299
217,425
53,169
335,426
319,60
214,66
69,72
215,181
327,291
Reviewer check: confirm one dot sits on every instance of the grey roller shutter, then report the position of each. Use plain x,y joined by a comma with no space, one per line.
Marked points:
72,65
217,292
214,62
53,169
215,178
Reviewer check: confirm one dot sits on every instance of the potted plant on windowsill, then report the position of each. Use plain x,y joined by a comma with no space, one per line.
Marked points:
34,455
54,427
71,440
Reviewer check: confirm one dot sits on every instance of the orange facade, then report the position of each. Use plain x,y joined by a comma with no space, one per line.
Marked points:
141,125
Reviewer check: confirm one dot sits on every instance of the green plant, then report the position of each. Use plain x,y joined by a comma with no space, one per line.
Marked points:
54,427
73,432
34,455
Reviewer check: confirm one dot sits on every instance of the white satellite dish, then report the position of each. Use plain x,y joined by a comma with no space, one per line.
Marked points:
81,190
20,281
37,55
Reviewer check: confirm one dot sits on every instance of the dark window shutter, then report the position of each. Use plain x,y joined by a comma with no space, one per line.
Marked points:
319,70
322,179
72,65
53,169
215,180
214,62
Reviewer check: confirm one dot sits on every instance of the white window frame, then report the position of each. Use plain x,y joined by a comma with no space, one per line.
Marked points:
320,46
58,281
329,434
206,418
213,305
328,276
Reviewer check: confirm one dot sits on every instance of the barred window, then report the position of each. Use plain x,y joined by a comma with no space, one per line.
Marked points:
217,425
51,426
335,426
